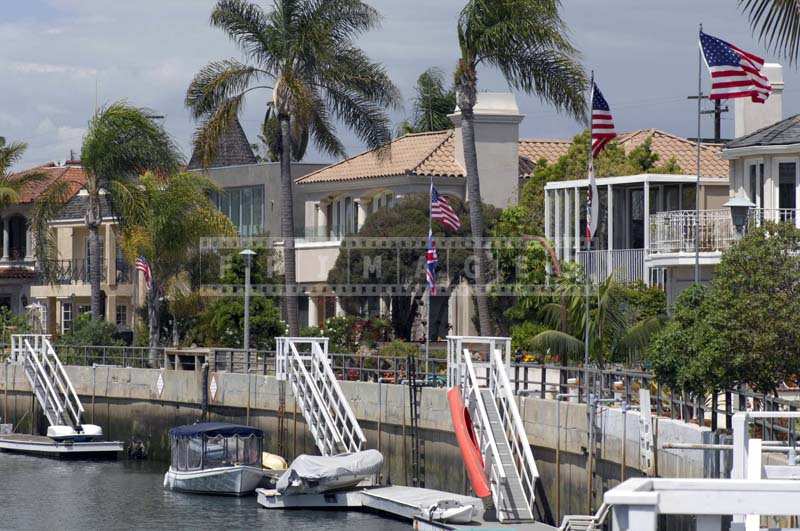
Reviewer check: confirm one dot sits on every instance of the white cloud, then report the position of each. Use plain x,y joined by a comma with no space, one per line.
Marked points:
45,68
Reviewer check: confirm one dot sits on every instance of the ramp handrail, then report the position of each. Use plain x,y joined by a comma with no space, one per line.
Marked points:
70,395
513,426
486,444
303,386
351,435
40,374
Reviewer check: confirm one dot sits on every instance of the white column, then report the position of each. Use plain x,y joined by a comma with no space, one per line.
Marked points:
547,205
361,205
313,313
646,231
5,239
577,221
610,227
558,234
384,306
339,310
567,231
28,243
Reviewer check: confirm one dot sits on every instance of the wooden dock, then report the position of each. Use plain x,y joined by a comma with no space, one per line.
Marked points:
47,447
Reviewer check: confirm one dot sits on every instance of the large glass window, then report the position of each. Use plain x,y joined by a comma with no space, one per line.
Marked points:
244,206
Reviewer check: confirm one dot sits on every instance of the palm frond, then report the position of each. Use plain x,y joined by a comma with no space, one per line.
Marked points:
637,337
208,134
219,81
777,23
46,208
10,155
245,23
558,343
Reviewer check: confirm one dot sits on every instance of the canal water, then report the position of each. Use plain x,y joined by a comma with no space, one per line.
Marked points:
38,493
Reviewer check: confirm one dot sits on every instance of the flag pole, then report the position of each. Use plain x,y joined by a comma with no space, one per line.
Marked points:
590,168
589,402
428,305
697,187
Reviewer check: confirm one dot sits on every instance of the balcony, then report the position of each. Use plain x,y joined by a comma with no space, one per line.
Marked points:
76,271
675,232
623,265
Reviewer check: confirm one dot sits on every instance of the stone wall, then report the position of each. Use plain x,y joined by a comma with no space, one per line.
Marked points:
128,405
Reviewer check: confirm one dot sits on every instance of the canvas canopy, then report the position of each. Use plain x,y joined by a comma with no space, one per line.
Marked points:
314,471
213,429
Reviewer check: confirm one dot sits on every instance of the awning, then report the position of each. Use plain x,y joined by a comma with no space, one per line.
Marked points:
214,429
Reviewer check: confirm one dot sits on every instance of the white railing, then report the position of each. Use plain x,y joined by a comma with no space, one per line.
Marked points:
624,265
329,417
43,367
473,400
674,231
64,383
18,348
455,346
513,427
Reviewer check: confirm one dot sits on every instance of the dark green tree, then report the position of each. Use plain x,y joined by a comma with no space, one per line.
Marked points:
431,104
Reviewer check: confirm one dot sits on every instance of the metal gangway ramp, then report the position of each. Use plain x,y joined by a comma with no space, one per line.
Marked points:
48,379
304,363
489,397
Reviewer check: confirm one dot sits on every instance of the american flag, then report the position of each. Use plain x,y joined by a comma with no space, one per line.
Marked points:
442,211
602,133
602,122
431,261
734,72
144,266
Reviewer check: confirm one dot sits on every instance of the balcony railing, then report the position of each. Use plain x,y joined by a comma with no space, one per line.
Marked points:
674,231
624,265
74,271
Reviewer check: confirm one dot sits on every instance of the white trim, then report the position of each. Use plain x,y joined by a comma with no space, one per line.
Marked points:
737,153
637,179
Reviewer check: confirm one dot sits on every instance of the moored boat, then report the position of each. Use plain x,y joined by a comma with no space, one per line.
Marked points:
215,458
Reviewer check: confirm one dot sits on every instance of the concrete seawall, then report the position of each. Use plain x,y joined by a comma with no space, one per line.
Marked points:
130,405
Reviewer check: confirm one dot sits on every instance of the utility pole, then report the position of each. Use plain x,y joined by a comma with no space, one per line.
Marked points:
717,111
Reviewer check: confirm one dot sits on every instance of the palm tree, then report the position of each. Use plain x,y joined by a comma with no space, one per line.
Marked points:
11,184
121,143
526,41
163,219
432,104
303,51
614,327
777,23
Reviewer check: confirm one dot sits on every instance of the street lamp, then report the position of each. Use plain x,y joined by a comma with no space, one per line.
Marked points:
740,207
248,257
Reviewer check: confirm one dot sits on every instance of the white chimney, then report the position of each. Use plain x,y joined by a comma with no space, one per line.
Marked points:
496,121
749,116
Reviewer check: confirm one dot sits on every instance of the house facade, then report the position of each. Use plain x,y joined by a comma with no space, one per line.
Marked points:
60,299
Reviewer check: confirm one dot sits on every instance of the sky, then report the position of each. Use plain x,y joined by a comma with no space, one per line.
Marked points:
59,59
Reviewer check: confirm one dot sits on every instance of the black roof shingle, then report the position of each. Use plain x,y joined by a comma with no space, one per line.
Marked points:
781,133
233,150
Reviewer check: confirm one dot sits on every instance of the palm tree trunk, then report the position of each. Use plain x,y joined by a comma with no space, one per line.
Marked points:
153,311
94,258
287,227
475,214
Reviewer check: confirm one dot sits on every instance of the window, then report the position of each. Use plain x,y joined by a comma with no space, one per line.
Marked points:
84,308
66,317
755,183
244,206
122,315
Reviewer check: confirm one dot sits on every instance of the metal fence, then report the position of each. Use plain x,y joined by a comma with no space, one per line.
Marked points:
528,379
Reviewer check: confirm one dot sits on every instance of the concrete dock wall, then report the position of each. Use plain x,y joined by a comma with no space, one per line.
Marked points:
131,405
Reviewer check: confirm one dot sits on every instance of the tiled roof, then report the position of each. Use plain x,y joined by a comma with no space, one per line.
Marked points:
233,150
413,154
667,145
778,134
533,150
73,174
433,154
76,208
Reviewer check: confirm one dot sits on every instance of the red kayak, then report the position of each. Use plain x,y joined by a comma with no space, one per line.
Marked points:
468,443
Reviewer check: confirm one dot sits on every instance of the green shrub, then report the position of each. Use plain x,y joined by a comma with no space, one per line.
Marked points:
90,332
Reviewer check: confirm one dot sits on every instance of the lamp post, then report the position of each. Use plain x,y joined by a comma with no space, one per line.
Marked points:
740,207
248,257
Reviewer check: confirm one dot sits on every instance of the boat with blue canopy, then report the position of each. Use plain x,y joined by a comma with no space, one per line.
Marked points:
215,458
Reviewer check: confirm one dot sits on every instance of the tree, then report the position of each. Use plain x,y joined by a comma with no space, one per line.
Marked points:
526,40
305,50
612,161
747,328
163,220
432,104
777,23
122,143
11,185
409,218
